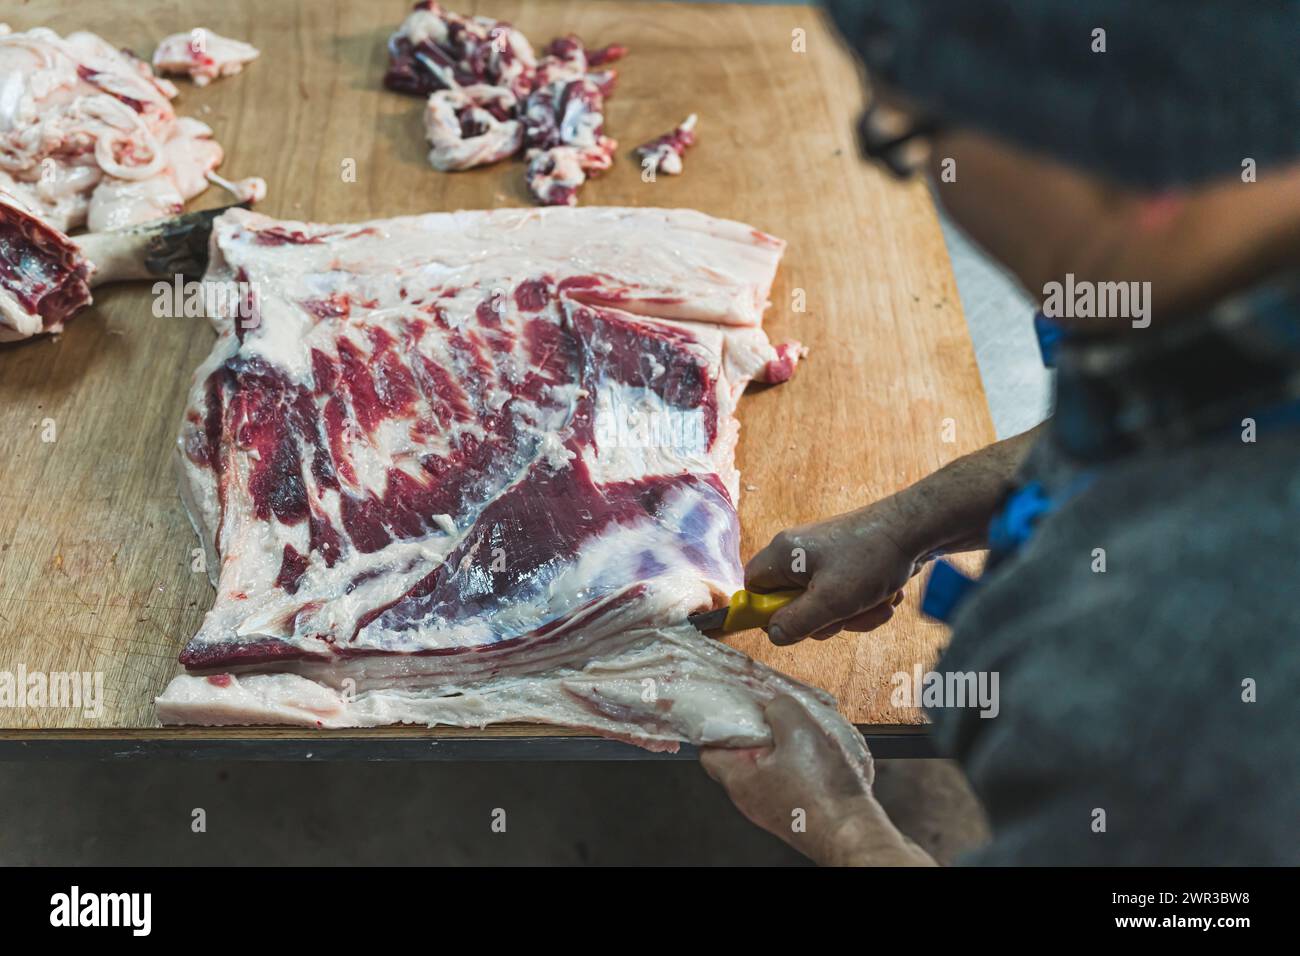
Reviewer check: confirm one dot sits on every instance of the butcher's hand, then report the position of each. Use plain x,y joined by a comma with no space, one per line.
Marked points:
852,568
804,790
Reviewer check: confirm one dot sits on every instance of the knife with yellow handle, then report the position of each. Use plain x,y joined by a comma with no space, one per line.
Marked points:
747,609
753,609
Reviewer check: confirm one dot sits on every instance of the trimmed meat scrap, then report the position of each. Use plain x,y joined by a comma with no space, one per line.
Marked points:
471,126
44,278
472,467
88,135
202,55
564,125
664,153
436,49
489,97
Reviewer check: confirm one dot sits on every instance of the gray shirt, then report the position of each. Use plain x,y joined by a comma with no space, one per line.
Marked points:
1162,692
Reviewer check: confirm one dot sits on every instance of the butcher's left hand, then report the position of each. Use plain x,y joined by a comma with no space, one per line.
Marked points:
804,790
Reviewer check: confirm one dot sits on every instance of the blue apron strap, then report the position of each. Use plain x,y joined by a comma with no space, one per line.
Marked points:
1049,338
944,590
1010,528
1014,523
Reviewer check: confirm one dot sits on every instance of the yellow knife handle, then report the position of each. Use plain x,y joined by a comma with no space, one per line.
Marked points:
751,609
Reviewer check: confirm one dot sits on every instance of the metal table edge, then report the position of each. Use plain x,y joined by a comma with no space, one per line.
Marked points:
887,742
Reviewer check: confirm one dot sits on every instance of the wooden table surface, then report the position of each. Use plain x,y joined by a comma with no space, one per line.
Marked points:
95,548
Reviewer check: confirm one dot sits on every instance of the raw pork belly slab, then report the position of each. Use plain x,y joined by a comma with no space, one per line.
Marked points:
472,467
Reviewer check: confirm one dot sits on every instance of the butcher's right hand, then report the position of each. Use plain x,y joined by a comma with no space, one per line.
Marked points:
851,569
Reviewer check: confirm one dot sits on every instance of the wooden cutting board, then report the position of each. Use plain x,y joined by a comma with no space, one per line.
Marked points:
95,548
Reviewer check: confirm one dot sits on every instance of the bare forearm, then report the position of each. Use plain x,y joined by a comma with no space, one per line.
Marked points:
950,509
869,838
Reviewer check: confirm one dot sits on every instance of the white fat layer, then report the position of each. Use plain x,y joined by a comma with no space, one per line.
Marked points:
662,686
279,337
665,263
16,322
